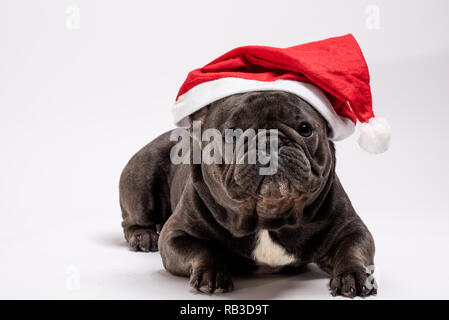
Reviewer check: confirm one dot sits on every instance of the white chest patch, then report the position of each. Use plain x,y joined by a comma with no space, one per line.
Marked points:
269,253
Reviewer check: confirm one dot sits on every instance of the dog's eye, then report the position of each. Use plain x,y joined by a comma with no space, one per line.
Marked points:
305,129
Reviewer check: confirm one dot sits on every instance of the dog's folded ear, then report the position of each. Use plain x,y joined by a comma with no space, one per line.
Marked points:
199,115
188,125
328,130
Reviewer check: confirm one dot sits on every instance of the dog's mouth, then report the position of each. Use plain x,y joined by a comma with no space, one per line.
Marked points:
269,197
268,206
277,198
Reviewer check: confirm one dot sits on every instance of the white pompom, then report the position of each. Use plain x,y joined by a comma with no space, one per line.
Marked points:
375,135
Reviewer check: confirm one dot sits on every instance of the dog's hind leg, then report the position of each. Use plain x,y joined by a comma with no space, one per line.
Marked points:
144,194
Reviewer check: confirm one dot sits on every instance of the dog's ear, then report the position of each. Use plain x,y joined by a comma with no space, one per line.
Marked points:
188,124
328,130
199,115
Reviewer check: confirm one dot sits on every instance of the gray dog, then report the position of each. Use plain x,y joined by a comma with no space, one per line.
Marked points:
210,221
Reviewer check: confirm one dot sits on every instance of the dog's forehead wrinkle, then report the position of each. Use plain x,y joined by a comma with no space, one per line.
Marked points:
255,109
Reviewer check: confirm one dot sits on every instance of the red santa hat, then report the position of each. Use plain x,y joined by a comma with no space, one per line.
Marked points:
331,75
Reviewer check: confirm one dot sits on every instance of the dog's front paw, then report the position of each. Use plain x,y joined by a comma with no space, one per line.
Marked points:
352,284
144,239
211,280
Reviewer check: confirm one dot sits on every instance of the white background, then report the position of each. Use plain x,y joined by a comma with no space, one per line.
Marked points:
77,103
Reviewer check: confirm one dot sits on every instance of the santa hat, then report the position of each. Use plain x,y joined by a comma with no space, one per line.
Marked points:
331,75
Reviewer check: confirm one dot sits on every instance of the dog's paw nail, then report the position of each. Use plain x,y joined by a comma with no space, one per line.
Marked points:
352,291
196,284
334,292
364,292
211,285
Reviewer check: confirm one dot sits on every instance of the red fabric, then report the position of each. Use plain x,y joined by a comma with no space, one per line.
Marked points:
335,65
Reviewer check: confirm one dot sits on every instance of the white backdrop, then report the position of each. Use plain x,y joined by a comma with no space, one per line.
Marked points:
84,84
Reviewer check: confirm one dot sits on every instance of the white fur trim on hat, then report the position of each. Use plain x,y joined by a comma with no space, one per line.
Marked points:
375,135
208,92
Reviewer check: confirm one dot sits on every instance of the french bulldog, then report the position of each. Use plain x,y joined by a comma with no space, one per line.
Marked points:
211,221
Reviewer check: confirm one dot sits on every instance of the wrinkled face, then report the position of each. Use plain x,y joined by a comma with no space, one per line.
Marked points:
304,157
